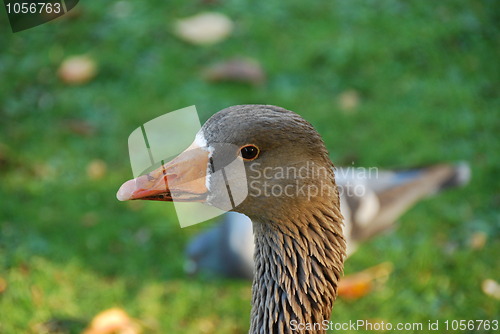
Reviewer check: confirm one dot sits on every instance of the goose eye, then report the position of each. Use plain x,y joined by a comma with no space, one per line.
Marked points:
249,152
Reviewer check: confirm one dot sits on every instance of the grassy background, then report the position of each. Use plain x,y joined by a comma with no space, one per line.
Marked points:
427,75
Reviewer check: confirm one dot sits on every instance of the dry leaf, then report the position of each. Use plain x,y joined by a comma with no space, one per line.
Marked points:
360,284
58,325
478,240
5,159
491,288
348,101
80,127
237,69
44,171
37,295
90,219
96,169
204,28
3,285
77,70
207,325
354,287
113,321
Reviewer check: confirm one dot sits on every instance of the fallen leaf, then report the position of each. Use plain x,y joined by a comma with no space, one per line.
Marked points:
5,159
204,28
37,295
207,325
237,69
24,269
80,127
354,287
96,169
3,284
44,171
478,240
59,326
90,219
491,288
357,285
77,70
113,321
349,100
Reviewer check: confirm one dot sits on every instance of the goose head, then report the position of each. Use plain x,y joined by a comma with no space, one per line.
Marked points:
280,165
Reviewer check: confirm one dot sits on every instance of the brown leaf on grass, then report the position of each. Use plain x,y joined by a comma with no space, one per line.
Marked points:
354,287
357,285
348,101
37,295
491,288
113,321
96,169
58,326
90,218
207,325
237,69
77,70
44,171
80,127
3,285
478,240
204,29
5,156
24,269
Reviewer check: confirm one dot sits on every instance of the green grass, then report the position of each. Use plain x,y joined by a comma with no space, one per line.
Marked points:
428,77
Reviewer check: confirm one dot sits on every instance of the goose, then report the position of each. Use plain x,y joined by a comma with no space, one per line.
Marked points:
299,243
371,201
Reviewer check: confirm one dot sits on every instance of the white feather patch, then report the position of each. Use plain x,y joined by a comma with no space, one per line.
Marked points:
200,140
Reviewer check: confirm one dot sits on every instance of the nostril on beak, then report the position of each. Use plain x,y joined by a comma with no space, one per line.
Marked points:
169,178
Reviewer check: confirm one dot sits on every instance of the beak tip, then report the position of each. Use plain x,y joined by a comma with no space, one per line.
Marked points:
121,197
125,191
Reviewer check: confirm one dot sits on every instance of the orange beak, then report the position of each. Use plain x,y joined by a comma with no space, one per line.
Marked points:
183,179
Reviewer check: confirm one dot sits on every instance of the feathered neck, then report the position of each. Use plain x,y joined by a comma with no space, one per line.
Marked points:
298,263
